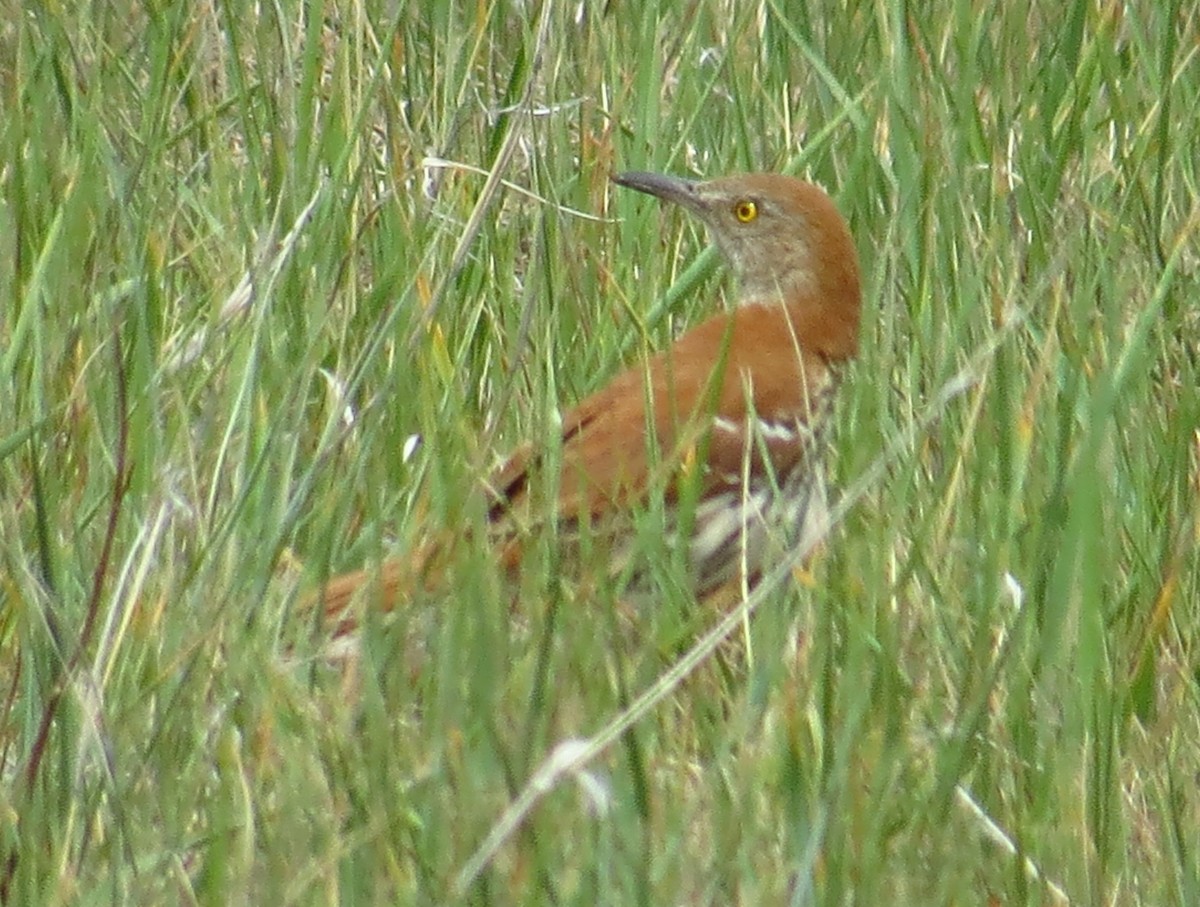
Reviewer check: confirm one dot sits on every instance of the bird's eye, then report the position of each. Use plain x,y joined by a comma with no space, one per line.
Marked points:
745,211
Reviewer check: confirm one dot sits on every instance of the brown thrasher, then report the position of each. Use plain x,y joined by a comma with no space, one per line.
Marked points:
738,404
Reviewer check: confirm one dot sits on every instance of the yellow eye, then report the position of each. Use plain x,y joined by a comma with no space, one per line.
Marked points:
745,211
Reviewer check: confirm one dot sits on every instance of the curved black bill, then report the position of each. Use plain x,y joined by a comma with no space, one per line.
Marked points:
668,188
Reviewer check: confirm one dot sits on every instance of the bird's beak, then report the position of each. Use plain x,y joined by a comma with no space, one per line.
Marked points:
668,188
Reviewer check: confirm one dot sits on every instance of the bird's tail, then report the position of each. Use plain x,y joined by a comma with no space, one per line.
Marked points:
384,587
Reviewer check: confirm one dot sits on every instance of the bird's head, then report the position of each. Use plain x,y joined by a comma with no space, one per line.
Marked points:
786,242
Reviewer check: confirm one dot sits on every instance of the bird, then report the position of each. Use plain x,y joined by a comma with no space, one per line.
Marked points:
726,426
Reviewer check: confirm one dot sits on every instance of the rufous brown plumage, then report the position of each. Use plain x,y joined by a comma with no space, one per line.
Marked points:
738,404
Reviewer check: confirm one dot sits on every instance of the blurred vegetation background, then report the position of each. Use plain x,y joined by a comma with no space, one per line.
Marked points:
249,251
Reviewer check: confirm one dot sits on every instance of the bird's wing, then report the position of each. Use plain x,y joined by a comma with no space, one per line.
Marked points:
735,393
736,396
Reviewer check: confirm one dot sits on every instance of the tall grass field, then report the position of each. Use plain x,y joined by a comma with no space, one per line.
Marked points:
280,283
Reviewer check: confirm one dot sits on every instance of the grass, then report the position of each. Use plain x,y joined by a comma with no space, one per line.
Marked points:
234,288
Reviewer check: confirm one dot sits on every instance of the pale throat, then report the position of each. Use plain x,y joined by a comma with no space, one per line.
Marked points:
759,287
768,269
